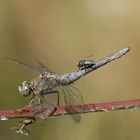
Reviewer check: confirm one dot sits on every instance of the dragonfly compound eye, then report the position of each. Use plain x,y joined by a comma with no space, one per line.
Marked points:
25,89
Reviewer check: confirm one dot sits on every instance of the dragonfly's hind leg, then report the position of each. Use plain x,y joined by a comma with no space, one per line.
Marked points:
22,129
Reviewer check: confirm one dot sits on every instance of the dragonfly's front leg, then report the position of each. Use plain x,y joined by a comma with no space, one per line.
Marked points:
39,99
22,129
34,98
58,99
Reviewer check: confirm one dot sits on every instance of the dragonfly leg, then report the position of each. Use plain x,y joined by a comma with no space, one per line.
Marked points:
32,99
22,129
58,99
39,99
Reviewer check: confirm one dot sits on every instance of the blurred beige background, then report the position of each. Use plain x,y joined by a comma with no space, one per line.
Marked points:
59,33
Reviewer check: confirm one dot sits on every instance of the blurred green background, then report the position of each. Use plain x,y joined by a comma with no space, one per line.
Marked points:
59,33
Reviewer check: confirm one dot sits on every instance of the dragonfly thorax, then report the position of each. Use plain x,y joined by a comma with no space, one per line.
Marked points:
25,88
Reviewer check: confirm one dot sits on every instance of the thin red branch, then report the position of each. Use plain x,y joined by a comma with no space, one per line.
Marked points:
31,112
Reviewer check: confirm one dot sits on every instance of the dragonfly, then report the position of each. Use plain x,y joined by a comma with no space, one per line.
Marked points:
47,83
50,83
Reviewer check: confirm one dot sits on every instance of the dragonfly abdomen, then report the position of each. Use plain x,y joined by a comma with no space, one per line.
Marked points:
69,78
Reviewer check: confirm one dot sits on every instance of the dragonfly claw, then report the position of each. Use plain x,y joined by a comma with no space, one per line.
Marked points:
24,131
22,128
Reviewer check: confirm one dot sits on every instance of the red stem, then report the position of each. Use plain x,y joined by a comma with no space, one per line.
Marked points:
30,112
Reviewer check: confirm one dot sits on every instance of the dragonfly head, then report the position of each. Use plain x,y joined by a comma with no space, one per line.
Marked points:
25,88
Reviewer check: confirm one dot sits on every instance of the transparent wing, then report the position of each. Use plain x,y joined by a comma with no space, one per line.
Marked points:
40,69
43,96
90,57
41,64
49,100
47,103
44,67
72,96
